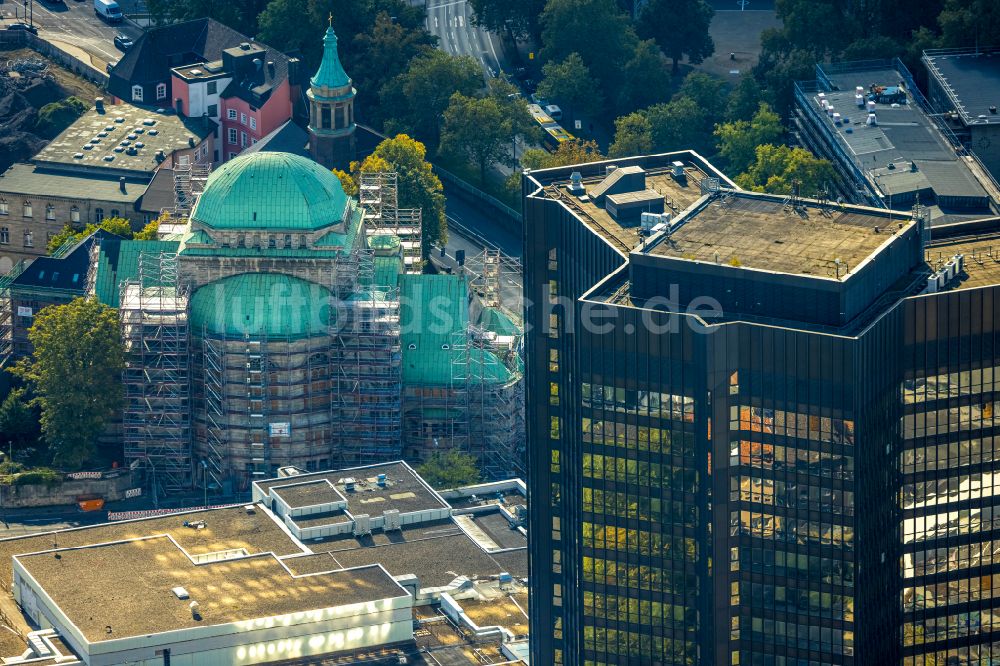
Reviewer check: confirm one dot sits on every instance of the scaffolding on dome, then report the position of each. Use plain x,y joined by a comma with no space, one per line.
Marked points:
378,193
492,278
156,416
189,183
368,363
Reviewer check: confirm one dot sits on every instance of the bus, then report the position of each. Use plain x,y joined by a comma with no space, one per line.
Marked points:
552,132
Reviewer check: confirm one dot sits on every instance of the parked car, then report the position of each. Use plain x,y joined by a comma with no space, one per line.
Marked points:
24,27
123,42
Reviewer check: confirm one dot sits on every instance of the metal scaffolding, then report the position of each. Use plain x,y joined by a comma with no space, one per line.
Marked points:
368,366
494,276
378,193
488,389
189,183
7,312
157,380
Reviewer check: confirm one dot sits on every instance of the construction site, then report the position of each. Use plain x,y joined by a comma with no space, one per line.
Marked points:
297,328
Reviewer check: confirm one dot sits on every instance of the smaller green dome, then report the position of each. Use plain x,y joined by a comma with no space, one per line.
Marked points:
331,73
261,304
266,190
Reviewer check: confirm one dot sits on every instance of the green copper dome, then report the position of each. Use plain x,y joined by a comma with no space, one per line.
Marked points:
266,190
261,304
331,73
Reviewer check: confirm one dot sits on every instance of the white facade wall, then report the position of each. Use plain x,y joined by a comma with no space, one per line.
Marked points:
199,100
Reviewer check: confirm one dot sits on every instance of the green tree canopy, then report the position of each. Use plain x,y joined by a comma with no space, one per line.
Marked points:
519,17
737,141
54,117
118,226
570,83
18,420
645,78
477,129
449,469
679,125
776,169
680,27
745,99
569,152
422,93
75,375
597,30
419,186
633,136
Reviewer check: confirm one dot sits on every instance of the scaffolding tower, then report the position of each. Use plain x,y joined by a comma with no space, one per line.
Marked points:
494,276
488,401
7,312
378,193
157,380
189,183
367,362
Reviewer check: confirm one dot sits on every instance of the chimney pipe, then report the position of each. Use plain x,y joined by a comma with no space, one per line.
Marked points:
270,67
99,104
121,184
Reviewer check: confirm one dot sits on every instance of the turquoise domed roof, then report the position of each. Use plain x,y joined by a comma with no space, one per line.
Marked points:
261,304
277,191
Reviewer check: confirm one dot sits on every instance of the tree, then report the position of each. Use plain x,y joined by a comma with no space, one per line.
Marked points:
633,136
118,226
597,30
347,182
680,27
738,140
777,169
570,83
708,92
645,78
477,129
54,117
745,99
569,152
75,374
449,469
822,27
151,231
381,53
422,93
970,23
518,17
678,125
419,187
18,421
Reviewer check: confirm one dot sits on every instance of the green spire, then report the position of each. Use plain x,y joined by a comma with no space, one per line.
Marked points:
331,73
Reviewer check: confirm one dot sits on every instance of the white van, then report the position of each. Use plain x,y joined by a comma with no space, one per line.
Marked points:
108,10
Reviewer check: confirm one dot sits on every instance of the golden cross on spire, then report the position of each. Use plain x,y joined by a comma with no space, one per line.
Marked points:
331,19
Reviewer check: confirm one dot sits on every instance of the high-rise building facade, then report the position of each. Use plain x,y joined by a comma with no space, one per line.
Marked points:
730,423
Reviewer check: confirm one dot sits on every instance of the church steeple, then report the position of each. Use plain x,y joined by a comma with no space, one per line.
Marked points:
331,108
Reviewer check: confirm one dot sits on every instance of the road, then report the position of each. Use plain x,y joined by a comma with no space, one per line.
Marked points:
451,22
74,23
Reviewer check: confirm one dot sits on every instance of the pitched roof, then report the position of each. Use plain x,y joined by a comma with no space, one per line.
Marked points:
159,50
434,311
159,194
288,138
118,261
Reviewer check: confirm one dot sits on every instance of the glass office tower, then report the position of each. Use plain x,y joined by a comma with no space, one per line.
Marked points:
731,437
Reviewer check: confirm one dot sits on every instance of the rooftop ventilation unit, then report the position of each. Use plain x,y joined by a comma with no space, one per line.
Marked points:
649,221
392,521
677,169
872,120
609,168
180,592
362,525
576,184
349,484
381,480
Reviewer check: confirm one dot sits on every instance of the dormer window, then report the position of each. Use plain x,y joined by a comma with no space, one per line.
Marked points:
161,91
288,241
272,242
136,93
302,241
